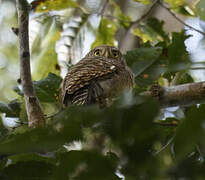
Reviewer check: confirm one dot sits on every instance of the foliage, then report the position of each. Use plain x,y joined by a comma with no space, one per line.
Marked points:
142,35
46,60
105,34
145,64
11,109
47,5
175,3
47,90
200,9
146,2
133,138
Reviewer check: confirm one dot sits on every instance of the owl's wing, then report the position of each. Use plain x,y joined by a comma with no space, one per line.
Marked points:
82,76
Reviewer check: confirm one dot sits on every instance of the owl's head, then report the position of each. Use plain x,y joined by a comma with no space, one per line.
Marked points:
105,51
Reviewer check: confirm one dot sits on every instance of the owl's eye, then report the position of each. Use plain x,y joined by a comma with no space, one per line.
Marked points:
98,52
115,53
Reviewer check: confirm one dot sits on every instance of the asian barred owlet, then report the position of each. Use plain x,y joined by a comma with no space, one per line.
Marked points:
97,78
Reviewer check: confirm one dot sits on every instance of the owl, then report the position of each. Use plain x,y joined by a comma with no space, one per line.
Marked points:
97,78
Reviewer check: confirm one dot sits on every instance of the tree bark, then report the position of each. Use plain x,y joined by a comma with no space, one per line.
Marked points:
33,108
180,95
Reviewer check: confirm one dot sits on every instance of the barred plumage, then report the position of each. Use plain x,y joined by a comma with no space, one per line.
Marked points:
99,76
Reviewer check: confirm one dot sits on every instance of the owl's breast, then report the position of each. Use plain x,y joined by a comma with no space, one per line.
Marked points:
122,79
93,79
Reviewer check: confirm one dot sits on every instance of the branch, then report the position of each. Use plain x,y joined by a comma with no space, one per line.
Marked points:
145,14
135,23
165,124
33,108
179,20
103,7
132,23
181,95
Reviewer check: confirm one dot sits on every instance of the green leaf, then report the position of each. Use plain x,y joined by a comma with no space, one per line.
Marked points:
122,19
47,5
131,130
201,9
186,10
45,55
145,2
105,34
190,132
181,7
141,58
4,108
12,109
142,35
88,116
26,157
185,78
190,168
85,165
145,64
47,90
3,130
43,167
177,54
155,29
152,31
65,129
113,158
175,3
29,170
124,123
169,121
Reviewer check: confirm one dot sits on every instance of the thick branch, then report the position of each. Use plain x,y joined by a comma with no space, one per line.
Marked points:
181,95
33,108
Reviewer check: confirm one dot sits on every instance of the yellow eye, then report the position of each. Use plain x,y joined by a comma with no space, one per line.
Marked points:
98,52
115,53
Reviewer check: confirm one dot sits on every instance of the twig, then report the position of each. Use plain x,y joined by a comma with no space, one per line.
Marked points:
165,124
178,19
164,147
103,7
197,68
145,14
15,31
52,115
117,18
19,125
134,23
33,108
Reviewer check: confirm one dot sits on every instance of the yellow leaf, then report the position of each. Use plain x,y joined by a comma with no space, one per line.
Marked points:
46,60
50,5
142,35
175,3
123,19
106,33
145,2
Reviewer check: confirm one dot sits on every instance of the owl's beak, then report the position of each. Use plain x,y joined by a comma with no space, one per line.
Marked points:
106,53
